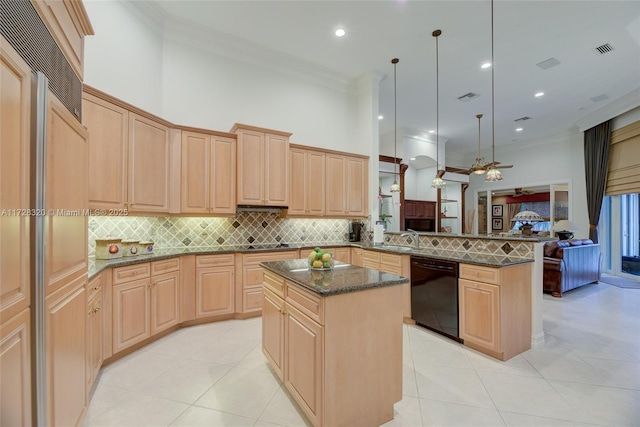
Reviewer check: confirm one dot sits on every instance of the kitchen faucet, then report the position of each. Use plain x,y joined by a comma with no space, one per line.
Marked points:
414,236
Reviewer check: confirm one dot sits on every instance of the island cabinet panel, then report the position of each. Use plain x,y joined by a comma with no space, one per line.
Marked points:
262,166
149,165
495,309
303,373
108,126
339,369
215,284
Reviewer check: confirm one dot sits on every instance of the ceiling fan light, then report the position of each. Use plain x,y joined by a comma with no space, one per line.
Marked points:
493,175
395,187
479,170
437,182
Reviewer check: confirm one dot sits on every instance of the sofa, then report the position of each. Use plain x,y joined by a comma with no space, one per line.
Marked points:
569,264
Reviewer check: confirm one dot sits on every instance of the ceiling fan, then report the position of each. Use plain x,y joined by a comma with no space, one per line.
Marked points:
479,167
517,192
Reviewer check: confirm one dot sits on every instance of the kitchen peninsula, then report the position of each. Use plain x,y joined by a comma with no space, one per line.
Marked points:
334,338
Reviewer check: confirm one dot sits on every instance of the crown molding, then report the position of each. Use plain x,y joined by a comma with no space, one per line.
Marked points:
613,109
251,53
149,13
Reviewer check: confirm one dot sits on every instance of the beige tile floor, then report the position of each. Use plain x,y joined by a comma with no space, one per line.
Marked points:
586,373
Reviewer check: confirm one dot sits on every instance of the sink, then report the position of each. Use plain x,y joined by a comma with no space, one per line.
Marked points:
397,248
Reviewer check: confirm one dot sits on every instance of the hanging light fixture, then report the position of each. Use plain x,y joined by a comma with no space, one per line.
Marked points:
437,182
493,173
479,167
395,187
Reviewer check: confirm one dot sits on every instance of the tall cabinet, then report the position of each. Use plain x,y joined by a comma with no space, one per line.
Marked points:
15,296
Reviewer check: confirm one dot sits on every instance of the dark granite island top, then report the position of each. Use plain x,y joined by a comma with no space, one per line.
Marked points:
343,278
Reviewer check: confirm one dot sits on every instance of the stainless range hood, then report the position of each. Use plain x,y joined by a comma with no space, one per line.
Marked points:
267,209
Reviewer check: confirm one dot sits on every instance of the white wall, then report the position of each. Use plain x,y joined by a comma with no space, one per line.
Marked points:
124,57
626,119
552,160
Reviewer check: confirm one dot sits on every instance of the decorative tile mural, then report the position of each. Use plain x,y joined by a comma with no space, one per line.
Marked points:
243,229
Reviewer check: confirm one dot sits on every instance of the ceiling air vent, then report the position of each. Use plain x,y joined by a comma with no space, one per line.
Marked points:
522,119
605,48
599,98
468,97
548,63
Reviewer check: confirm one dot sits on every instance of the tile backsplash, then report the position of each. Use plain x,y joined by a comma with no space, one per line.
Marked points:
243,229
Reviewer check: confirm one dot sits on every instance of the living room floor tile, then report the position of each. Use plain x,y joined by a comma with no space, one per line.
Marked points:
514,419
435,413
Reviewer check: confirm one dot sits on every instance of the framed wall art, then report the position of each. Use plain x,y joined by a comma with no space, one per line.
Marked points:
496,210
496,224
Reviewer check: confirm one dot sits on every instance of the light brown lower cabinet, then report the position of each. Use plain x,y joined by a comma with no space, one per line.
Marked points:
340,254
66,353
495,309
144,304
339,369
215,283
95,325
15,370
394,264
356,256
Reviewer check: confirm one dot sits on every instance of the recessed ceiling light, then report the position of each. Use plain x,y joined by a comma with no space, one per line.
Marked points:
518,129
380,117
539,94
432,131
412,158
340,32
486,65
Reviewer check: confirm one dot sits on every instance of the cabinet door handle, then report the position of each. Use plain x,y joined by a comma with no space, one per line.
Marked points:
97,309
96,288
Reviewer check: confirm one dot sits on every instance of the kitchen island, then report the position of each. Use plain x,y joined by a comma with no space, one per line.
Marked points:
334,338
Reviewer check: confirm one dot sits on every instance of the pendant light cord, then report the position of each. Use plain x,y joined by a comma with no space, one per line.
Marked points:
437,34
395,117
493,98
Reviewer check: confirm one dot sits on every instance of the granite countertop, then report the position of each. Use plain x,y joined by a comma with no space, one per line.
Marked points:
97,265
504,236
343,278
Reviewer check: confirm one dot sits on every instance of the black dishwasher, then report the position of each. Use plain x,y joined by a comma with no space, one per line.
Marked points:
434,295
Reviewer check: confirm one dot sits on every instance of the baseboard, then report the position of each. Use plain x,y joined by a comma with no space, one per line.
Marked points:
537,341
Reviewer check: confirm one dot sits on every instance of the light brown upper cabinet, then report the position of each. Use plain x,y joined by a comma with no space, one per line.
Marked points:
262,166
347,185
208,183
307,183
129,156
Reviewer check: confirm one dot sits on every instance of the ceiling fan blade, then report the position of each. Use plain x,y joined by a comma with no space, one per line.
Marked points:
454,169
504,167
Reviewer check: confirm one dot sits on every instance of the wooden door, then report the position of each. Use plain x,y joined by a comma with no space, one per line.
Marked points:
273,330
196,168
108,126
94,339
335,185
303,362
15,370
276,178
66,353
66,187
131,317
223,175
149,164
298,182
316,179
357,186
15,120
480,313
165,301
215,291
250,168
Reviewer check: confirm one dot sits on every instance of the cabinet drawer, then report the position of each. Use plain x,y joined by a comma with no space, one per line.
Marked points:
370,257
391,260
94,287
165,266
308,303
131,272
269,256
391,269
203,261
252,300
274,283
480,273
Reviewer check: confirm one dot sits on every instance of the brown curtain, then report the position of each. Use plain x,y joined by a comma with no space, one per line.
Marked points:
512,210
596,164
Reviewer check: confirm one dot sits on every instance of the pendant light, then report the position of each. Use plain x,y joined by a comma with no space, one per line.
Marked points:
395,187
479,167
437,182
493,173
